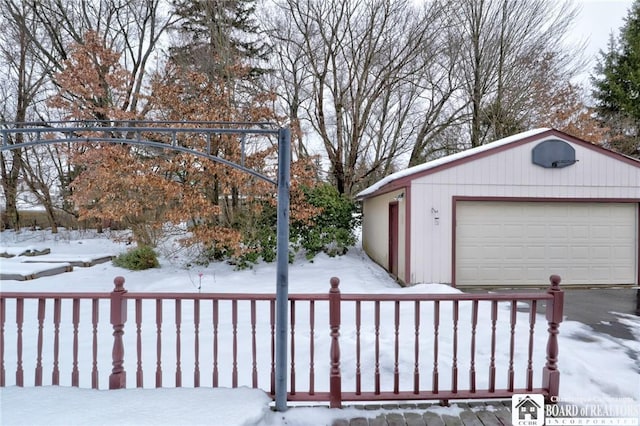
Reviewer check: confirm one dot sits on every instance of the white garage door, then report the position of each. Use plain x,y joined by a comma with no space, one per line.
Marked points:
523,243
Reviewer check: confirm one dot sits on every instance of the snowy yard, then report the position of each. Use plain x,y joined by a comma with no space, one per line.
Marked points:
596,367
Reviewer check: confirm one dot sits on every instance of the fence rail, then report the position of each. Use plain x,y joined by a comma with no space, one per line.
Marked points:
342,347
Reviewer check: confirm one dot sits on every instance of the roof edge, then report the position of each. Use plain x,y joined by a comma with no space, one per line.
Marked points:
376,187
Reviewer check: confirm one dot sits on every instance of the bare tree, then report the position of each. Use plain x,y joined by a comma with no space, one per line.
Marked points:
441,87
46,30
22,85
361,78
503,40
133,28
290,77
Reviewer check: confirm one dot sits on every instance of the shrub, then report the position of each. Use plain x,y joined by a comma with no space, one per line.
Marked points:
140,258
259,238
332,230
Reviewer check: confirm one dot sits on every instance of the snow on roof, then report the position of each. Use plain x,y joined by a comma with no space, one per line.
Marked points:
449,158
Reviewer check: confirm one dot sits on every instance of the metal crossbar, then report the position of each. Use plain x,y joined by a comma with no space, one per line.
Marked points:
132,133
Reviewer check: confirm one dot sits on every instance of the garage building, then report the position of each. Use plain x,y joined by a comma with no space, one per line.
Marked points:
510,213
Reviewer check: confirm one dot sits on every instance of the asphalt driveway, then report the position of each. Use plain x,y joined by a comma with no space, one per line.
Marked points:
598,307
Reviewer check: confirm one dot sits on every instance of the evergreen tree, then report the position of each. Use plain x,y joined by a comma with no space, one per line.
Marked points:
617,86
218,36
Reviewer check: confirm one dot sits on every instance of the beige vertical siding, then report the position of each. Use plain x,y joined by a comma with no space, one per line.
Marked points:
508,173
375,230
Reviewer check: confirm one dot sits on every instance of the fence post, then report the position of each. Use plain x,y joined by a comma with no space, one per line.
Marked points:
118,377
550,373
335,381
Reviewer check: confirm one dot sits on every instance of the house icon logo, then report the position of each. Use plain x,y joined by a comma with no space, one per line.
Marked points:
527,410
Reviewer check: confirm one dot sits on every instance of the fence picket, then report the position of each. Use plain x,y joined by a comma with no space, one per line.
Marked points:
472,364
454,364
139,371
292,361
55,375
19,322
512,339
215,343
234,325
254,347
312,325
75,374
95,315
272,329
159,343
396,348
3,307
178,316
492,362
416,346
41,313
436,327
377,347
358,363
196,343
532,323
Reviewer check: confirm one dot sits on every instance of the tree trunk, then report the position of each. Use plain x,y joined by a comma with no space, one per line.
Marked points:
10,188
51,217
10,175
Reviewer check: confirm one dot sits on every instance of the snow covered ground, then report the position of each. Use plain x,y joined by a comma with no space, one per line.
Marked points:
597,367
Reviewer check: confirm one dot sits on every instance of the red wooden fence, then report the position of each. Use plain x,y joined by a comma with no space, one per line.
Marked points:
458,346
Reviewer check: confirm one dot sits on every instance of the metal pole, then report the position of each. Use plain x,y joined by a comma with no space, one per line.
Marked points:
282,284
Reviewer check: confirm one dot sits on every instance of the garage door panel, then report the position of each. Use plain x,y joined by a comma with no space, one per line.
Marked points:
559,231
581,275
604,215
493,253
558,252
525,242
535,230
513,229
601,232
579,253
601,254
622,252
579,231
511,274
534,270
599,274
516,252
620,272
621,231
535,253
488,231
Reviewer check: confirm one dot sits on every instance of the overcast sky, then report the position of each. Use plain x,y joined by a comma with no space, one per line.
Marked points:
596,21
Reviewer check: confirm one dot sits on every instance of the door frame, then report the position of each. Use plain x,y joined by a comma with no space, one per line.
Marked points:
394,238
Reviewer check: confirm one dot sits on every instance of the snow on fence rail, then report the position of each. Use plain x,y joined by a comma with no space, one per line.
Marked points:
342,347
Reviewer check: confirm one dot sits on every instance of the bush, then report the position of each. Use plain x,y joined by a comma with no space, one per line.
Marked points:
259,238
332,230
140,258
